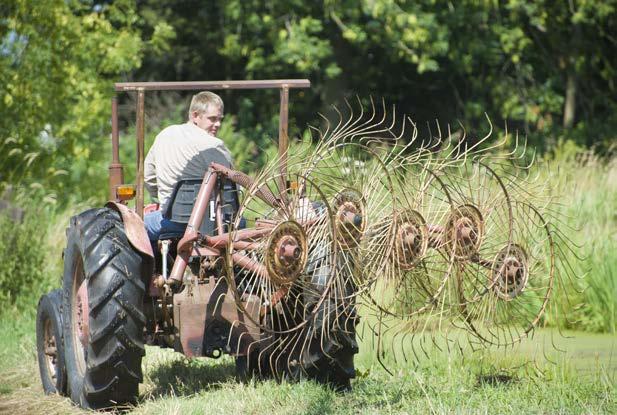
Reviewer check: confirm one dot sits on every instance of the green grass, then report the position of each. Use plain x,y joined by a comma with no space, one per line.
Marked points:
581,380
587,299
533,378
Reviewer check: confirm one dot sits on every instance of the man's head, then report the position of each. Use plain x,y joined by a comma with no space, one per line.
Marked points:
206,112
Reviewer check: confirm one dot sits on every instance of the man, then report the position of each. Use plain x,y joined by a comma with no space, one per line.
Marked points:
180,152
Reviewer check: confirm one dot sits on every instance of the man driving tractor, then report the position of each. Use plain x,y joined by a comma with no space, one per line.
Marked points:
180,152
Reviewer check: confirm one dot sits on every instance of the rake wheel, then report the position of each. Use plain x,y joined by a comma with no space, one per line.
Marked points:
476,230
307,315
521,277
360,190
287,265
418,266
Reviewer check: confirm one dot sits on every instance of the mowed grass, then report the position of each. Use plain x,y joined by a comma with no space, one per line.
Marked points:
581,380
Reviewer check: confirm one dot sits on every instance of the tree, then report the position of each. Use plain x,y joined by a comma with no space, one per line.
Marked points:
546,68
57,65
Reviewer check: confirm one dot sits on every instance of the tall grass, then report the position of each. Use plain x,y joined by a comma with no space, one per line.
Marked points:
588,204
31,254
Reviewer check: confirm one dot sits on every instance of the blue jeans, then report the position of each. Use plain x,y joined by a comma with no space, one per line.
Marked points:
156,224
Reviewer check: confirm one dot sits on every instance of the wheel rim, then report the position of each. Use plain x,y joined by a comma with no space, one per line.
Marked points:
51,350
77,318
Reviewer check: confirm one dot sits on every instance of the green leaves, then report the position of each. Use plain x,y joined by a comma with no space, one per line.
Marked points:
57,66
513,60
299,45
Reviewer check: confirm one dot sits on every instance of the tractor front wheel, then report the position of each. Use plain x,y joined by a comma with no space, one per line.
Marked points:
49,345
104,285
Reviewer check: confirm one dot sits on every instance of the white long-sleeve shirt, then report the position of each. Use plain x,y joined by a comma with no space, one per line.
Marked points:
180,151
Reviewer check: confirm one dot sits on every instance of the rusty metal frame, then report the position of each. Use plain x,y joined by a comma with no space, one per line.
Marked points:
211,245
116,177
186,245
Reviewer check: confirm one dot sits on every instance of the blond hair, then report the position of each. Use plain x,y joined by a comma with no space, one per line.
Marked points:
200,102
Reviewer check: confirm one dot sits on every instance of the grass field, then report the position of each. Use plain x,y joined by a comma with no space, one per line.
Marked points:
581,379
550,373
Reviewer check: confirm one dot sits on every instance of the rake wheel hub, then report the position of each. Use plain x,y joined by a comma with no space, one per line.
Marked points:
286,253
510,272
464,231
350,222
289,250
411,238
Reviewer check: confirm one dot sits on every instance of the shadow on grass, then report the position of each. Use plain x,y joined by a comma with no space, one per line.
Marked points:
496,379
186,377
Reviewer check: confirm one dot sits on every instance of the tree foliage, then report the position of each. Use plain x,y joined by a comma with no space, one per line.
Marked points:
57,65
546,68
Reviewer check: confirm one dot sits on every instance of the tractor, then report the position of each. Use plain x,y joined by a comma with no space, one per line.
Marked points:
223,286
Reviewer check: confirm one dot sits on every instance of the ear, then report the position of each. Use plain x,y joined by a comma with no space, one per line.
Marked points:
194,115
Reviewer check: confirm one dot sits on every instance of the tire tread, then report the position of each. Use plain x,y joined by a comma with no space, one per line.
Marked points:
115,348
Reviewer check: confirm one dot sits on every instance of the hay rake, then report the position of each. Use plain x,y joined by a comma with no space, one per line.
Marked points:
426,237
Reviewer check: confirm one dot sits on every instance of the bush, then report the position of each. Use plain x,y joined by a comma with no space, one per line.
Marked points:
23,260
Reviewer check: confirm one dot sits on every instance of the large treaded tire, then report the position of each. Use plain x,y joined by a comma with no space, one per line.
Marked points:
49,337
323,350
329,360
106,370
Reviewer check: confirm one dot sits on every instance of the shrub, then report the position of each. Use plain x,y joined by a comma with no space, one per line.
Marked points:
22,257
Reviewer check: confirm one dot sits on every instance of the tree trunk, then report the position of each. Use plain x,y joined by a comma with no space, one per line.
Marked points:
569,109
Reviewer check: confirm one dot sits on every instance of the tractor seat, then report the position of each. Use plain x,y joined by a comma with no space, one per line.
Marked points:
183,199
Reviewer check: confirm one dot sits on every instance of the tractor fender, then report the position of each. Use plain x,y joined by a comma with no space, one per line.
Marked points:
134,228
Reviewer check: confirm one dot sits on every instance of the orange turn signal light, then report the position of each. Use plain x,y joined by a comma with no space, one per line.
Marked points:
125,191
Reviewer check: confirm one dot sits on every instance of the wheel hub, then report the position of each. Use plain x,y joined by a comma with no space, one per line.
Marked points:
411,238
510,272
464,231
350,213
286,253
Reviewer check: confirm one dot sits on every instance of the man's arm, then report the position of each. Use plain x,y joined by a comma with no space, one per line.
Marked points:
150,174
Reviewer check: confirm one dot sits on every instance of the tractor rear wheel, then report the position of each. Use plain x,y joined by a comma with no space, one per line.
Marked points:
327,349
49,345
247,366
104,285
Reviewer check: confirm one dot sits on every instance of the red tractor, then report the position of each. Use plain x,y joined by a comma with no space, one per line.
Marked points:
254,283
